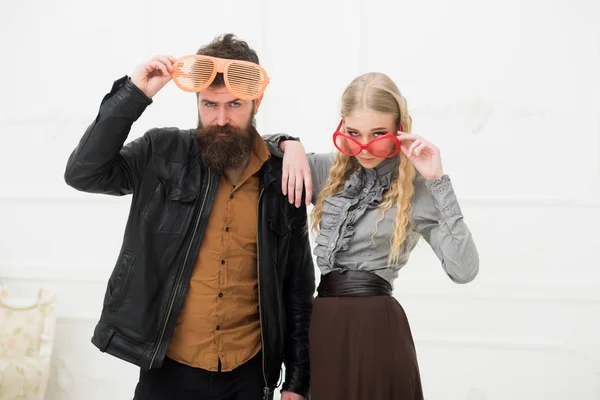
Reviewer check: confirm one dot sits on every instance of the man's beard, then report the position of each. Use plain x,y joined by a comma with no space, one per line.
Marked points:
231,150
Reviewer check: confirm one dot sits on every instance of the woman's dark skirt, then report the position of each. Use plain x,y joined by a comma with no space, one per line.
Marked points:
361,346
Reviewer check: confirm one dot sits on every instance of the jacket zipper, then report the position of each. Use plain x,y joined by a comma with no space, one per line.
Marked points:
266,390
162,333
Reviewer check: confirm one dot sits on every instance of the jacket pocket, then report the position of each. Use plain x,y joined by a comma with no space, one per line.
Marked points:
170,208
119,281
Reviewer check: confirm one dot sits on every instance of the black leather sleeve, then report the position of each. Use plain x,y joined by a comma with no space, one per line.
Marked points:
100,163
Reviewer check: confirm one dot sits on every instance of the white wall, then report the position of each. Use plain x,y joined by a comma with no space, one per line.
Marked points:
509,90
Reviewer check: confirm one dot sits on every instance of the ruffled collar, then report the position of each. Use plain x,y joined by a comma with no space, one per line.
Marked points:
379,177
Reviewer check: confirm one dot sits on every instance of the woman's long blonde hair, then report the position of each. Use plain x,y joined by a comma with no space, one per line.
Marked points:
375,91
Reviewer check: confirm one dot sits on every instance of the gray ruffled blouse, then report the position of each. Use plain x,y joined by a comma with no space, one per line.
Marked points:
351,238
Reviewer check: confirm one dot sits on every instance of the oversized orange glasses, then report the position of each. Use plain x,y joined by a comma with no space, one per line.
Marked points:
245,80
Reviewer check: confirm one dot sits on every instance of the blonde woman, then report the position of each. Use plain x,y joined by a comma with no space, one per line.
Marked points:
383,190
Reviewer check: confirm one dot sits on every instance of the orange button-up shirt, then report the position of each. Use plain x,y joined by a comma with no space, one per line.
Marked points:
220,318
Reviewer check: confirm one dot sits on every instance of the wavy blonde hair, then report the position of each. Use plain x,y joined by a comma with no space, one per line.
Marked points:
375,91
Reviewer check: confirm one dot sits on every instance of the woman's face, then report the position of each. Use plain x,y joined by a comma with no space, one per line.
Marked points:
365,126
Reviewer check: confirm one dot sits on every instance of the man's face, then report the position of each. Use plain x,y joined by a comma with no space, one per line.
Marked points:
225,130
218,107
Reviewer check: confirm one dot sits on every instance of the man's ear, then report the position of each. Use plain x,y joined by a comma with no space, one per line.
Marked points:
257,104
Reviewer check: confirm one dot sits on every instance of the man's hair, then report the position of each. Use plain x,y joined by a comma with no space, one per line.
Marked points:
230,47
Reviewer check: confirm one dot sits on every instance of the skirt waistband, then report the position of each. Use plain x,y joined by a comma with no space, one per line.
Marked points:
353,284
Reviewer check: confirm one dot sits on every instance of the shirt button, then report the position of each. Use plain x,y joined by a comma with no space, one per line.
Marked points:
332,245
220,294
227,229
222,261
231,196
218,327
365,190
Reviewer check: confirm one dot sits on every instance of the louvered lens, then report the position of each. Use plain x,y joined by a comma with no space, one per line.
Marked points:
193,73
245,80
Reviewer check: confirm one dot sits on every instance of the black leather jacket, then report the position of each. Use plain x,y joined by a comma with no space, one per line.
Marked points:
173,193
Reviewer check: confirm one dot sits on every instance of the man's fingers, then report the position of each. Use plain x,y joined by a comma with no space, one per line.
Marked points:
165,60
157,65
